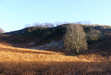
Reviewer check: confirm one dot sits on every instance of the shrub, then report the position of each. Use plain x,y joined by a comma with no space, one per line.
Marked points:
75,38
94,35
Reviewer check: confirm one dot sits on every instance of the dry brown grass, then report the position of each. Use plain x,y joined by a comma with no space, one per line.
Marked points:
20,61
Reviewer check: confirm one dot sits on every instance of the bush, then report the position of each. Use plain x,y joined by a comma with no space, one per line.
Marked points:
75,38
94,35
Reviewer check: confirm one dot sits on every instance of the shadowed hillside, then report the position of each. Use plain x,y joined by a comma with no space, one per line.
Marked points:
48,56
38,37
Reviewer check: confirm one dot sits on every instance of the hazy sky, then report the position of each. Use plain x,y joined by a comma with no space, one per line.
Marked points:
15,14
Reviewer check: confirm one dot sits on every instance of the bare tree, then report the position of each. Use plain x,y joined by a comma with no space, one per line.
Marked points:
1,30
75,38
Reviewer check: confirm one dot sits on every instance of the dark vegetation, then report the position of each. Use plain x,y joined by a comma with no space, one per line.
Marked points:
95,35
40,35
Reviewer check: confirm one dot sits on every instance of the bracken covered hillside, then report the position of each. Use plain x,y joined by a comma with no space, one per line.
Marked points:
20,61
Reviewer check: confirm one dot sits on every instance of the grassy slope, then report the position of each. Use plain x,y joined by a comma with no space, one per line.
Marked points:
20,61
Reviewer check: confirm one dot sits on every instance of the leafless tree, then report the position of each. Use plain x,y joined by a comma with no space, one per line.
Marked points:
1,30
75,38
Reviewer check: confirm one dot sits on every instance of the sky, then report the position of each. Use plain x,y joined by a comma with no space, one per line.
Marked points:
17,14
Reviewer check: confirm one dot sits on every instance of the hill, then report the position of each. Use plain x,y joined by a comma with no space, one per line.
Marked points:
47,58
40,35
44,37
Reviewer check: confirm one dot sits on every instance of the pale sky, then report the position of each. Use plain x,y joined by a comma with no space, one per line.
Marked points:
15,14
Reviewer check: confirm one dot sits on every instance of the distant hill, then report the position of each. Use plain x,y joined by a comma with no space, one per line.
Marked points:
38,37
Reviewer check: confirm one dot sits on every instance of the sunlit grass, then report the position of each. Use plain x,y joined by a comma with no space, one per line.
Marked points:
30,62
